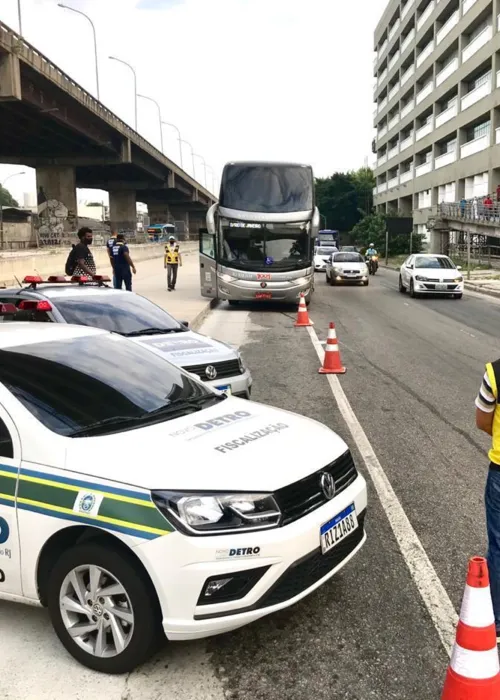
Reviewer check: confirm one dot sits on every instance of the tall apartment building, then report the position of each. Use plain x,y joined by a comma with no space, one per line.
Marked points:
437,94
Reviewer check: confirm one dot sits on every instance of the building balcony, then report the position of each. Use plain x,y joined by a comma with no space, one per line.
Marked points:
375,191
424,130
393,122
425,53
477,43
498,79
406,143
375,112
445,72
445,159
467,6
406,8
382,77
408,108
394,29
383,49
408,40
394,60
382,188
425,92
424,168
479,144
393,152
393,182
497,135
407,74
382,132
447,27
382,104
394,91
475,95
406,177
382,160
425,15
448,114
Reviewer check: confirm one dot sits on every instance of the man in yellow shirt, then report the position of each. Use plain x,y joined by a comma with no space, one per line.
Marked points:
488,420
171,262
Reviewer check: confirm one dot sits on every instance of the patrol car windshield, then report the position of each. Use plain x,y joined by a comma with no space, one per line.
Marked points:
129,314
102,381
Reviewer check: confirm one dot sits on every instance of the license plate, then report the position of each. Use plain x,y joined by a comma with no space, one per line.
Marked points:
263,295
225,388
441,286
338,528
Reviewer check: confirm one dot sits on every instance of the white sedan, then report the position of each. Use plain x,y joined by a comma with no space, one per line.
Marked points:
347,267
137,502
321,257
431,274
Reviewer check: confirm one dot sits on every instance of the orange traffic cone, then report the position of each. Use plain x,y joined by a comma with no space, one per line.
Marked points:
332,363
474,671
303,316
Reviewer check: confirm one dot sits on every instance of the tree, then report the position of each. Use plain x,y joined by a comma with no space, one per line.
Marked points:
371,229
6,199
344,198
364,182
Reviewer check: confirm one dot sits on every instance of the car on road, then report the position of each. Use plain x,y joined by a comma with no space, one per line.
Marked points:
348,249
322,255
429,273
95,304
138,503
348,268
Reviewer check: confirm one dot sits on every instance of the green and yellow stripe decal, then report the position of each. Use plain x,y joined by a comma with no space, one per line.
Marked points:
120,510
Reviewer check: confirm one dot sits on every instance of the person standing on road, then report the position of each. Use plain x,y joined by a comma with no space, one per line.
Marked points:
109,247
82,255
172,262
123,264
488,420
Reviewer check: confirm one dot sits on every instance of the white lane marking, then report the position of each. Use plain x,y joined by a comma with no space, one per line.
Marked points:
432,591
467,333
406,303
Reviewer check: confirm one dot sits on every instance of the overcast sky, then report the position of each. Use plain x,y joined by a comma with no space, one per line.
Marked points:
242,79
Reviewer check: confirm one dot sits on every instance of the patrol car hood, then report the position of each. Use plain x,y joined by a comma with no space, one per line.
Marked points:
234,445
187,349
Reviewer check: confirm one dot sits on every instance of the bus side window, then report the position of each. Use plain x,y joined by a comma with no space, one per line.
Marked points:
207,244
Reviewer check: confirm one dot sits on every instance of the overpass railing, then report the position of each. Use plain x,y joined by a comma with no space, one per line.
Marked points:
472,210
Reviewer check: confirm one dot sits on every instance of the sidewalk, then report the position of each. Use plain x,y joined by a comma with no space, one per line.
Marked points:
186,303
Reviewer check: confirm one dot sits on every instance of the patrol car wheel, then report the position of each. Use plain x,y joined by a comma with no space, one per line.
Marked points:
102,609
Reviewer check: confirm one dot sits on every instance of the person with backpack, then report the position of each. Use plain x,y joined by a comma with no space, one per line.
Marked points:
80,260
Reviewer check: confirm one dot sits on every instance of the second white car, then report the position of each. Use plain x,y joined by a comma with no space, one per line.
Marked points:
427,273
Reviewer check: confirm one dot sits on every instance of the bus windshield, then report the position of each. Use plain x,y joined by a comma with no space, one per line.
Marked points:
267,188
266,246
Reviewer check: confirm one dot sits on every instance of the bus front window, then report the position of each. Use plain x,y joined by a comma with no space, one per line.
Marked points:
280,248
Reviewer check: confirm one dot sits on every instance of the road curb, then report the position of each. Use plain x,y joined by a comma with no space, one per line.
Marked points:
197,322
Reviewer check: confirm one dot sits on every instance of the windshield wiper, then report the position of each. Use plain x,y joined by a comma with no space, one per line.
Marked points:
104,423
197,404
153,331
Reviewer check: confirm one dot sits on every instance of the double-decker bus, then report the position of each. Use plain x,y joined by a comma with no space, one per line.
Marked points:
259,240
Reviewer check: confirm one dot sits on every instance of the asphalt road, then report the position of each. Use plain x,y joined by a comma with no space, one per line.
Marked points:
414,367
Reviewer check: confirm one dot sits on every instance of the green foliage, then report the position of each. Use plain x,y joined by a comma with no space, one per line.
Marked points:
6,199
371,229
344,198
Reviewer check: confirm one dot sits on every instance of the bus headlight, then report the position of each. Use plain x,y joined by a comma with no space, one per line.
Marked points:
226,278
302,280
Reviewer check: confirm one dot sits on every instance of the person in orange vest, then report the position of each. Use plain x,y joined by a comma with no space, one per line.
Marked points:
172,261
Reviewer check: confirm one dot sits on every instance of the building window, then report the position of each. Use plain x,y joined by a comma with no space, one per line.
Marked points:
476,132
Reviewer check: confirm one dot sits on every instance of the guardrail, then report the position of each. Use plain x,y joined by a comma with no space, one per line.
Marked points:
472,210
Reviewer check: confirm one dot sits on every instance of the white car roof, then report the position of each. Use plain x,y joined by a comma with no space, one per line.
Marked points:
26,333
74,290
430,255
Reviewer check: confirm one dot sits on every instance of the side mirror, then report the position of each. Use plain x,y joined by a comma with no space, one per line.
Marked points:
410,267
459,267
185,323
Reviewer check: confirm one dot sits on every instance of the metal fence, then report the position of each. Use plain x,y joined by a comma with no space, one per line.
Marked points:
472,210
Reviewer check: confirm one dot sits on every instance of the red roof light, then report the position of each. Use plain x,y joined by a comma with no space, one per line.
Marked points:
32,279
7,309
80,278
32,305
101,278
57,278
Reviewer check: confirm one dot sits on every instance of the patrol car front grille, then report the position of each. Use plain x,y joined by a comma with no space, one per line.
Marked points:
226,369
304,496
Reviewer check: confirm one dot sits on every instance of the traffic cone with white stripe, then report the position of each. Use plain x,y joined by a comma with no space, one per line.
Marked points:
303,316
332,363
474,671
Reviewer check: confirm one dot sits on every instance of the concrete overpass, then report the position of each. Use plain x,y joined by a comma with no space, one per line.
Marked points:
445,218
50,123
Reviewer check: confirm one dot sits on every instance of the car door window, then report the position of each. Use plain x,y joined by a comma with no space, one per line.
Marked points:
6,446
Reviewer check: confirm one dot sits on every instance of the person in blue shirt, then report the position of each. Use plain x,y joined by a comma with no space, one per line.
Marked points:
371,250
109,247
123,265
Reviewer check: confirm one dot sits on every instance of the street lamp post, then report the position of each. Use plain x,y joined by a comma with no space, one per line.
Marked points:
180,139
1,205
150,99
192,156
113,58
20,17
204,166
79,12
213,178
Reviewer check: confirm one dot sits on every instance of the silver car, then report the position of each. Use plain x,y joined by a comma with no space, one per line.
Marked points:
133,316
347,268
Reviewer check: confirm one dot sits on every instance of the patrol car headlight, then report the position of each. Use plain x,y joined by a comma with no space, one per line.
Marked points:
209,514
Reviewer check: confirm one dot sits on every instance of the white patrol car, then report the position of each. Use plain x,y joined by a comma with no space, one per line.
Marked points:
92,303
135,501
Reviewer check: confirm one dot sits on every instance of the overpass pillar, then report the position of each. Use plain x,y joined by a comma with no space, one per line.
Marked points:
123,211
159,213
57,206
181,216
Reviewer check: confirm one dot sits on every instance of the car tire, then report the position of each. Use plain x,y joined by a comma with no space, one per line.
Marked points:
327,278
457,296
413,293
138,601
232,302
402,288
366,283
